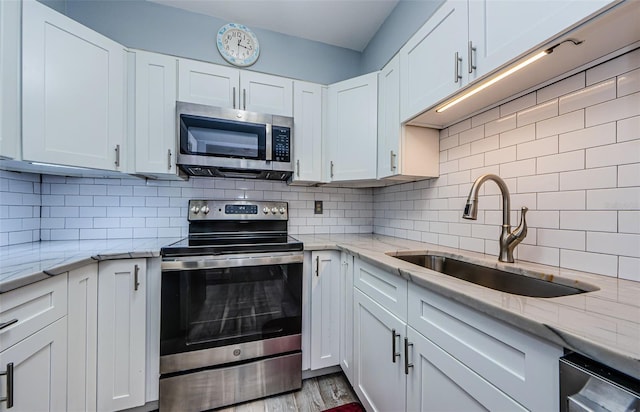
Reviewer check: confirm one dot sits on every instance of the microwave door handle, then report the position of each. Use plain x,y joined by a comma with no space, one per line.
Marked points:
268,146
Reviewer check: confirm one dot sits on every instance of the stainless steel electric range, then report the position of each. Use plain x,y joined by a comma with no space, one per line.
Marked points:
231,305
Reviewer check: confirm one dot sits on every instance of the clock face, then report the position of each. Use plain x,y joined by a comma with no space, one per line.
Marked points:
238,44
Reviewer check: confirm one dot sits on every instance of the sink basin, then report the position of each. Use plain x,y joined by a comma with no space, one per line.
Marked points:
493,278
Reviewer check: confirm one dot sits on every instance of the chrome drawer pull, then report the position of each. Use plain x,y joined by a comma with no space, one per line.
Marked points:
8,323
394,354
407,365
9,374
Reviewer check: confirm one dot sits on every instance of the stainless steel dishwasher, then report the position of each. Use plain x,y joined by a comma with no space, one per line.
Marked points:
586,385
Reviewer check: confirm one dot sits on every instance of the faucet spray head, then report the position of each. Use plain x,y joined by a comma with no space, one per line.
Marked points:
471,210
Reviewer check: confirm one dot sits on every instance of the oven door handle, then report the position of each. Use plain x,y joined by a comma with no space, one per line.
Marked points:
229,261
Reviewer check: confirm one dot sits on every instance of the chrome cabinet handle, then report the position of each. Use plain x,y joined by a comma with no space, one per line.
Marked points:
472,49
407,365
169,159
136,273
8,323
244,99
331,169
456,69
234,97
394,354
117,162
317,265
9,374
298,167
392,161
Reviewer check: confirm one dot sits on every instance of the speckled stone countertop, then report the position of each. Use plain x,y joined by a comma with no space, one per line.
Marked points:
27,263
603,324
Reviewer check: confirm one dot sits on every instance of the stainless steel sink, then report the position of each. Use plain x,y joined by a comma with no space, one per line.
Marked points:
495,278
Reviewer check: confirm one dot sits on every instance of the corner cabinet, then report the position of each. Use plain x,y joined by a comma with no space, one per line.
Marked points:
307,129
154,114
73,92
10,79
121,330
33,344
221,86
352,124
405,153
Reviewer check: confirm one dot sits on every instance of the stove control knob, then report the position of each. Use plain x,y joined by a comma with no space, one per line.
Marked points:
265,210
205,209
274,210
195,210
281,210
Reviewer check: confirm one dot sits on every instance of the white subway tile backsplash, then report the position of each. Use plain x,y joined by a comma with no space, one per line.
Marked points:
538,183
601,135
623,244
614,67
561,162
629,175
629,268
508,154
628,129
570,200
537,113
589,96
485,117
628,83
543,219
471,162
518,104
539,254
460,127
599,263
500,125
562,87
598,221
589,179
620,108
463,150
565,239
628,221
538,148
472,135
562,124
627,198
614,154
516,136
519,168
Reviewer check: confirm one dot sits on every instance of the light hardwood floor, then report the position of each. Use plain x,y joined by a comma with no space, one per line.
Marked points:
317,394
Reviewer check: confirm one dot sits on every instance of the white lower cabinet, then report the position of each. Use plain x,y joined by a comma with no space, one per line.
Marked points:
346,315
33,342
83,338
325,309
121,332
379,379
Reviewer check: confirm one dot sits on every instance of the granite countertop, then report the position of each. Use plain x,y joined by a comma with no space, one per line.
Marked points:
27,263
603,325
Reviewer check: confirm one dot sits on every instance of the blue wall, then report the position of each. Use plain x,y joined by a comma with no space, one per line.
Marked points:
154,27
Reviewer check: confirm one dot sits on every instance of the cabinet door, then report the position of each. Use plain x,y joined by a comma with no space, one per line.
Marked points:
155,111
307,129
73,92
325,309
346,316
39,370
389,119
379,377
121,327
83,338
439,382
428,61
10,79
502,30
263,93
352,128
209,84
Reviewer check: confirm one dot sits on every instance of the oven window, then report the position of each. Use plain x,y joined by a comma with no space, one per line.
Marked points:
218,307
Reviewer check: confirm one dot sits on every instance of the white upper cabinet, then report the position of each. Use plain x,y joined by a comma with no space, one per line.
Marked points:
307,130
404,152
221,86
500,31
155,113
208,84
431,61
351,135
73,91
10,79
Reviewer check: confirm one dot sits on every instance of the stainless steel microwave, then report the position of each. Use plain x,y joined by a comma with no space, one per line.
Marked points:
223,142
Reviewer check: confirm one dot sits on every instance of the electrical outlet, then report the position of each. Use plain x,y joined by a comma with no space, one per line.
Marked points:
317,209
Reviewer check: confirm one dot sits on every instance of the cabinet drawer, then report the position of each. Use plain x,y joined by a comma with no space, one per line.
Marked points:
521,365
387,289
34,307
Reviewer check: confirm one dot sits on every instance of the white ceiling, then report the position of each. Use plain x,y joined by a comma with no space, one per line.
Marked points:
345,23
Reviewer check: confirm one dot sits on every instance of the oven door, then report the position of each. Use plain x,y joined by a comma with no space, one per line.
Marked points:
222,309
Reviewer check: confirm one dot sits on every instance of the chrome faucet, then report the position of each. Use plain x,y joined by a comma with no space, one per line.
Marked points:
508,240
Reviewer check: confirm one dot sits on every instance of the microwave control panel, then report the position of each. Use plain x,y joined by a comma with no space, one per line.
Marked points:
281,143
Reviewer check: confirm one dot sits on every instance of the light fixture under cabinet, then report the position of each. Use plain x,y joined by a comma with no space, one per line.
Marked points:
500,76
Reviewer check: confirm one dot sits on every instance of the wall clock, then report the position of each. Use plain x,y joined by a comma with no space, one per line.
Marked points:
238,44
